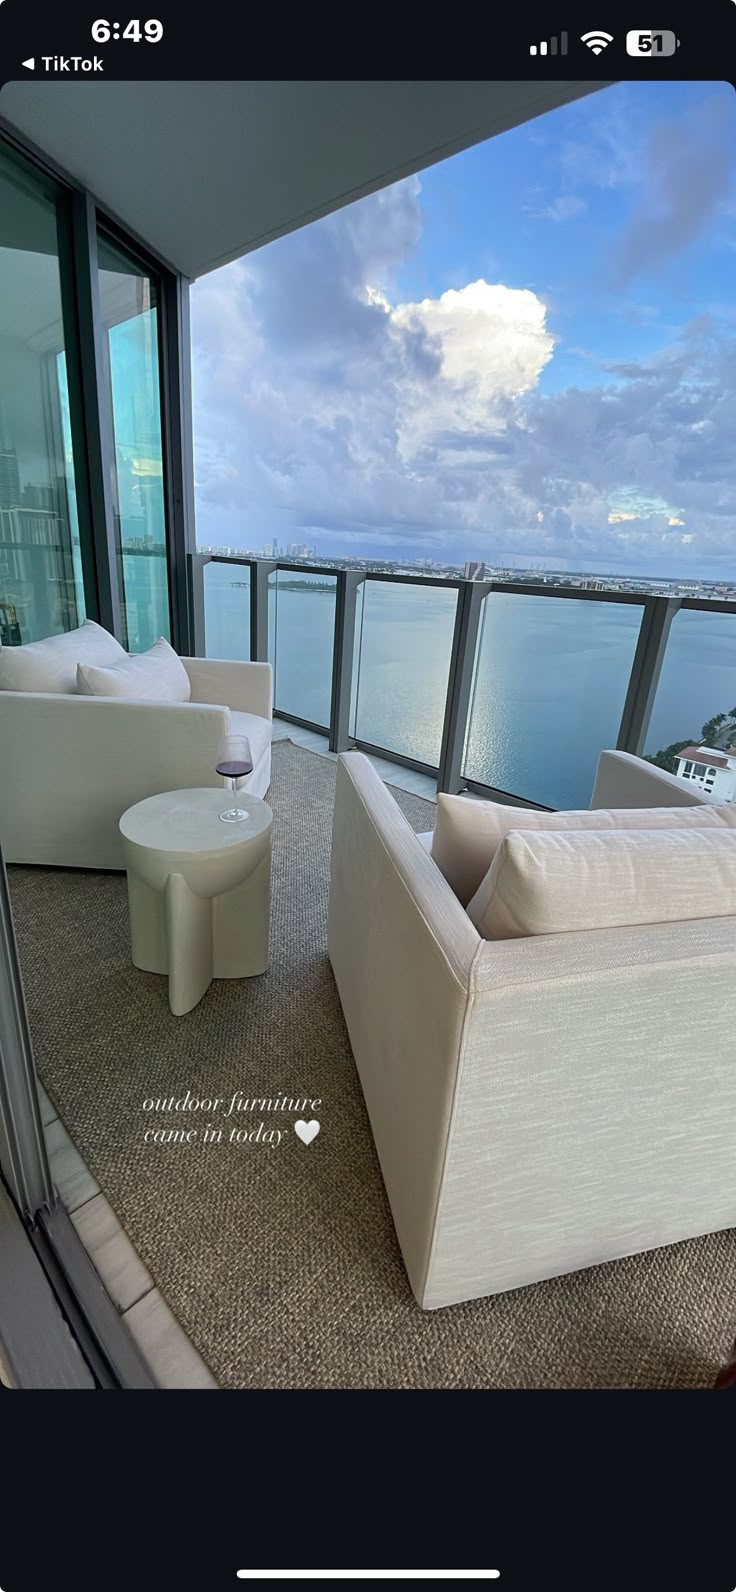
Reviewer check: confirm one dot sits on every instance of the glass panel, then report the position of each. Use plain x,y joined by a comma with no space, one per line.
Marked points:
301,629
355,677
550,685
128,298
697,686
405,636
227,611
41,591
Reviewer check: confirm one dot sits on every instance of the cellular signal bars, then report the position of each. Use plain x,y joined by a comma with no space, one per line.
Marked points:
549,47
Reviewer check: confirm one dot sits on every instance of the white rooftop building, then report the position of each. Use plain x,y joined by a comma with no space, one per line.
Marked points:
712,769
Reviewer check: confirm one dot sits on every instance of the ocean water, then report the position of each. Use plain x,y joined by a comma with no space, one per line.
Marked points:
550,680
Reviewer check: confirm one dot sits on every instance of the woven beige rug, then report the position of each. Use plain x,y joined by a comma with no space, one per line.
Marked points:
279,1257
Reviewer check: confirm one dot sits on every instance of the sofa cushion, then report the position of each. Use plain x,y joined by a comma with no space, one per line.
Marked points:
257,730
157,675
467,833
51,665
554,883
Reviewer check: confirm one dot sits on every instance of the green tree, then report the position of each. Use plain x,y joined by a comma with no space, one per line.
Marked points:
667,757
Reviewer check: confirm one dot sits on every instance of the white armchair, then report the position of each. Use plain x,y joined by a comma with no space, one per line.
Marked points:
72,764
538,1104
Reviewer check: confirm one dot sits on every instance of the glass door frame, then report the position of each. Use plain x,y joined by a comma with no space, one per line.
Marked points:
79,217
174,379
58,1327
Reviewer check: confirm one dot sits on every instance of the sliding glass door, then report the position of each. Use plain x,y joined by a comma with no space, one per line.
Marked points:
41,589
129,302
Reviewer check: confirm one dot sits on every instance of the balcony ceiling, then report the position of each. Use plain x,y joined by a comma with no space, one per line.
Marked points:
205,172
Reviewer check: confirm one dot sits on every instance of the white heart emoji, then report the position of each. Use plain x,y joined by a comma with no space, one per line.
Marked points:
306,1131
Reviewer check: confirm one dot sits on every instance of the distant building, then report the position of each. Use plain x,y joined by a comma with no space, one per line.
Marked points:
10,494
474,570
712,770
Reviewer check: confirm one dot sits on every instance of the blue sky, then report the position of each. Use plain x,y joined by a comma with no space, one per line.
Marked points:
525,354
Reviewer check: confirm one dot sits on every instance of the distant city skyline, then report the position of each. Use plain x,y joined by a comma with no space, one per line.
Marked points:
524,355
723,586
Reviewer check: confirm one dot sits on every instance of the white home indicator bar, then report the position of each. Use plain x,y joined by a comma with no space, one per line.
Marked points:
369,1575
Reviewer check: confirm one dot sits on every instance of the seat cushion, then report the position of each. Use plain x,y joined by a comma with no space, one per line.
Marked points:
257,730
468,833
51,665
556,883
157,675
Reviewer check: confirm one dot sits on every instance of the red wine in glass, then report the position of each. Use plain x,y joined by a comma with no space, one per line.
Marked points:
234,765
234,769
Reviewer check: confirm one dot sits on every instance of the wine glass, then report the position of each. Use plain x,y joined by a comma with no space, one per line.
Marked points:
234,761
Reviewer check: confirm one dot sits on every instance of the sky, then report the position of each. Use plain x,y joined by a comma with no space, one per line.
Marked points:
525,354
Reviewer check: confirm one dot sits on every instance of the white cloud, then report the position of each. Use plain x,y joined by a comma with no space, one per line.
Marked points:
564,208
491,344
339,413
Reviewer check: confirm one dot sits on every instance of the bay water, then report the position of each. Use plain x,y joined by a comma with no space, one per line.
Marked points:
550,679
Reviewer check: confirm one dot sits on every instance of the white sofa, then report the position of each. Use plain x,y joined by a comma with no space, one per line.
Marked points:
70,765
538,1104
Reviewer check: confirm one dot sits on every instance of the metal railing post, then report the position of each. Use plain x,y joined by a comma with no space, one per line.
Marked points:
651,646
346,595
470,599
260,570
176,418
195,585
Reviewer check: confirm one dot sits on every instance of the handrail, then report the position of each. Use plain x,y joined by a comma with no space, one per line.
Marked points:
657,613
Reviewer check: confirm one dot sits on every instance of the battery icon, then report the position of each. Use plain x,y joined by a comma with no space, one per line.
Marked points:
644,41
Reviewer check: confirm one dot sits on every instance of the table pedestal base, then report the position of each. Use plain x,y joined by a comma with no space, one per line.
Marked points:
196,938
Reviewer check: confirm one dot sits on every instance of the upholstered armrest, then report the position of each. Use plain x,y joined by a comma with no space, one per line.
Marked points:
73,764
401,949
244,687
626,781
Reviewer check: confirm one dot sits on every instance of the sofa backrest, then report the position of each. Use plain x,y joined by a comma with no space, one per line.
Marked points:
51,664
623,780
468,834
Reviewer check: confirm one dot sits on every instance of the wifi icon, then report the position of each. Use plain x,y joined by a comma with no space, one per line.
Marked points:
596,40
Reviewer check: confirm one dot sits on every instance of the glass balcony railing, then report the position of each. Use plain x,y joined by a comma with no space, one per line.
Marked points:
550,685
145,583
301,630
227,610
403,644
503,688
698,679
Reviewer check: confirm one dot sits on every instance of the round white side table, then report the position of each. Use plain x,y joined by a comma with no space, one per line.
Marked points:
198,889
